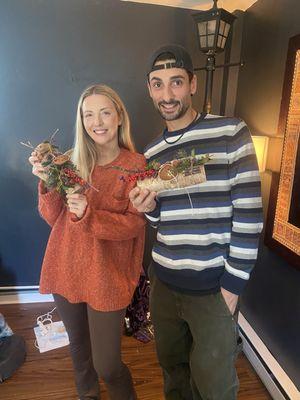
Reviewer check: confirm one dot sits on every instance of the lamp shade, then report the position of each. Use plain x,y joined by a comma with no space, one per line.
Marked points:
213,28
261,149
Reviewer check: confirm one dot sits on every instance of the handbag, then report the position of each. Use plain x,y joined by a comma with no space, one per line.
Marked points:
12,355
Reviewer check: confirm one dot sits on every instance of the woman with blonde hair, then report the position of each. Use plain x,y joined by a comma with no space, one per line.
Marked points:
94,253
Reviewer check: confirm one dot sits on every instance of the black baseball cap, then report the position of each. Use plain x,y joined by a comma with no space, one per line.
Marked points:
179,54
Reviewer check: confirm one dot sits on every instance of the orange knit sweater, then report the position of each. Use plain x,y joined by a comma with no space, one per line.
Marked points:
98,258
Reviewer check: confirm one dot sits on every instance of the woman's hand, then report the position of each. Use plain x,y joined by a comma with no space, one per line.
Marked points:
77,204
37,168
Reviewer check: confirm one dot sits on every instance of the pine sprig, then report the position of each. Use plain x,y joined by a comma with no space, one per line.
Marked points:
183,163
62,174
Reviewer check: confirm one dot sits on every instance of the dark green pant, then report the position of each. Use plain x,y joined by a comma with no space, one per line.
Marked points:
196,343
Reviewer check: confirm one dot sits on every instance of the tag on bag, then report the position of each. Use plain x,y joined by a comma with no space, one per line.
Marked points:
50,336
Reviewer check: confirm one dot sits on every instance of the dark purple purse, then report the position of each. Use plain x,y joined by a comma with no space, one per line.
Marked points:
137,318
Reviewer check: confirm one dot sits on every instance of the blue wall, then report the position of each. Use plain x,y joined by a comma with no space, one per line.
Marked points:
51,51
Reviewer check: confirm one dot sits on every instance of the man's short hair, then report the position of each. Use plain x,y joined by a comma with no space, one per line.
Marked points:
176,57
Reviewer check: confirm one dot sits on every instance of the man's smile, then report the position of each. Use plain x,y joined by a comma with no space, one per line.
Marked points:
168,107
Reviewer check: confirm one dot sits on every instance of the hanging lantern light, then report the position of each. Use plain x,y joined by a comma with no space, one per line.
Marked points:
213,29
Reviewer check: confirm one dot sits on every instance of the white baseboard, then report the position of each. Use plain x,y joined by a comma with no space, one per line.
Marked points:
24,296
8,288
251,340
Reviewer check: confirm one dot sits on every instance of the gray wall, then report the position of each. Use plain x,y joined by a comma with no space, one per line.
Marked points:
271,302
50,51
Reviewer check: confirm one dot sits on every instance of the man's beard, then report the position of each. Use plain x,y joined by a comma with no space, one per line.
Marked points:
180,112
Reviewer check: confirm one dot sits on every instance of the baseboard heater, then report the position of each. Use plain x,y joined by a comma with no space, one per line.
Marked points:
275,379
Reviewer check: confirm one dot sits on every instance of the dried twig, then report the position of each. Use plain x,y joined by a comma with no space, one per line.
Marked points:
53,135
28,144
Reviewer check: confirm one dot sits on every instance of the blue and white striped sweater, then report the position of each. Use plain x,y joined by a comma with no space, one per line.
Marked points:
210,239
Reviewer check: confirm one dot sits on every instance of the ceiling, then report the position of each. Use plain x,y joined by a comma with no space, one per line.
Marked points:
229,5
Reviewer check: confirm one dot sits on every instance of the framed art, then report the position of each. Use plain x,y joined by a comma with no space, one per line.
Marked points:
283,220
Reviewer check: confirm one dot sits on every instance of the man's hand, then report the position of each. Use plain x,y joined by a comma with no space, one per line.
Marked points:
231,299
142,200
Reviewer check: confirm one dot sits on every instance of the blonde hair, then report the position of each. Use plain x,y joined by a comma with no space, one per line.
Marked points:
85,154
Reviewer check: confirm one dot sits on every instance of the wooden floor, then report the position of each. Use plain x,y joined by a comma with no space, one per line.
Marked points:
49,375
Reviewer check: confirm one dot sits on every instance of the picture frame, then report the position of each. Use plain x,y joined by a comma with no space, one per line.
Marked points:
282,233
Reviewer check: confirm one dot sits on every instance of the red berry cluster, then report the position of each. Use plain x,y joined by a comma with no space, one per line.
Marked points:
142,175
73,177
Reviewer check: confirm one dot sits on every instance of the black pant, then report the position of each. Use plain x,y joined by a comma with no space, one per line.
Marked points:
95,347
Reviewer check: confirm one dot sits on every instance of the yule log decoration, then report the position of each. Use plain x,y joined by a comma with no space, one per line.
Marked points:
61,173
179,173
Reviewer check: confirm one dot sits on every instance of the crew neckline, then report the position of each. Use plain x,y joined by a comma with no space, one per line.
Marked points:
114,161
200,118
